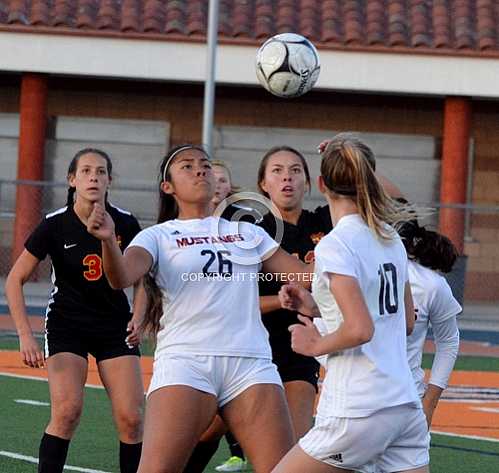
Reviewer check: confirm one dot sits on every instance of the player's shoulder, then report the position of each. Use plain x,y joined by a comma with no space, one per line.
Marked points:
56,214
118,212
426,277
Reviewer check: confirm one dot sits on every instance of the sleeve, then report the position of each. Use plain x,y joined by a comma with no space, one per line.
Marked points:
446,335
147,239
38,243
442,304
265,244
333,256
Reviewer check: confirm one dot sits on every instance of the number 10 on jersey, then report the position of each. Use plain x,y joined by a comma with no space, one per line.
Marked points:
388,292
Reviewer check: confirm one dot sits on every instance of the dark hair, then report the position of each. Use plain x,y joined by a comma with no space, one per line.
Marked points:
73,166
428,248
168,210
263,165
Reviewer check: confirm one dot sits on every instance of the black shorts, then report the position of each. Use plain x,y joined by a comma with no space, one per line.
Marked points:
102,345
295,367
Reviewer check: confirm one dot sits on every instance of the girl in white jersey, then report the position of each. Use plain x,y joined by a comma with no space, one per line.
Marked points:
212,350
428,253
369,410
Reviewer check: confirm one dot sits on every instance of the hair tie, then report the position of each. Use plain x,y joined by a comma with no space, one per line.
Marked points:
343,190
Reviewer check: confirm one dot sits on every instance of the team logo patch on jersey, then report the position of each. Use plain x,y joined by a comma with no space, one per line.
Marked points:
336,457
118,239
176,232
71,245
316,237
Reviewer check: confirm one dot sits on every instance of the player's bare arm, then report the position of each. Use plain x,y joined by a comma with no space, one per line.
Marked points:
357,327
30,350
289,268
410,313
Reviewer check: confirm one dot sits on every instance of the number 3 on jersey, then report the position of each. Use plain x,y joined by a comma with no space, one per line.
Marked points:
388,293
94,267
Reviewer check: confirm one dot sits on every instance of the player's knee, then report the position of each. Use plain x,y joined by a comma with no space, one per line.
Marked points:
67,415
130,424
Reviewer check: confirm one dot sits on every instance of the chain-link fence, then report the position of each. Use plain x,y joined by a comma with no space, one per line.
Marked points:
23,203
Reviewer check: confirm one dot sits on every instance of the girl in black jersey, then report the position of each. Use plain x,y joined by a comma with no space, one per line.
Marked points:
84,315
284,178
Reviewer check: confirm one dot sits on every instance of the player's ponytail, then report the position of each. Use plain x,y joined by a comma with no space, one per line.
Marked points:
428,248
71,196
347,169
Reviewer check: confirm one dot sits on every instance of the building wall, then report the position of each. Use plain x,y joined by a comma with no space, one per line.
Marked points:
181,106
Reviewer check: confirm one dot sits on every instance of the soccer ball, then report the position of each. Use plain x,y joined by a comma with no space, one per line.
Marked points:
287,65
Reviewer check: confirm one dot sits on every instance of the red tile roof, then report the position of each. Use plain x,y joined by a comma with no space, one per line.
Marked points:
427,26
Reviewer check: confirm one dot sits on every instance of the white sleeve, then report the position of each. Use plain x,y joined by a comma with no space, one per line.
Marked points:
335,257
147,239
441,302
446,336
265,244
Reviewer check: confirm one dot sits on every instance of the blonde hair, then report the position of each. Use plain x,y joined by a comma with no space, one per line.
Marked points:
223,164
347,169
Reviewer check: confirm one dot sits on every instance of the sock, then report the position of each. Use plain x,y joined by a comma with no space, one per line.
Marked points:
234,447
52,454
130,457
201,456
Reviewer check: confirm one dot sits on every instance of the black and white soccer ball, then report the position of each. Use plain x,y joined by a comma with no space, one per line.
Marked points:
287,65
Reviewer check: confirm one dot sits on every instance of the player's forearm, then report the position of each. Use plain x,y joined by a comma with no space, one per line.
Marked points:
345,337
432,395
446,335
114,265
269,304
139,301
17,307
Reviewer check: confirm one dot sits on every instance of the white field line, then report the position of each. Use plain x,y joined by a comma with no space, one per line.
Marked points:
472,437
17,456
35,378
31,402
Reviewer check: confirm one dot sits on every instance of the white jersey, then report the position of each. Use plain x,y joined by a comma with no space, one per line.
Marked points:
362,380
435,305
207,270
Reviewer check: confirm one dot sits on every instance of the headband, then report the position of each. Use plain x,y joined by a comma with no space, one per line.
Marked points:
178,151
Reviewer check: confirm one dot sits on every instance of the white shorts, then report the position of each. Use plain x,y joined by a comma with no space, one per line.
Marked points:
392,439
223,376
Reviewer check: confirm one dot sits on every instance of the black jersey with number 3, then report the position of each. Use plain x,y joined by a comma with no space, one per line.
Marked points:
82,297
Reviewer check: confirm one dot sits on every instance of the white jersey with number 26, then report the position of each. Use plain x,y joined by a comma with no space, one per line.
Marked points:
207,271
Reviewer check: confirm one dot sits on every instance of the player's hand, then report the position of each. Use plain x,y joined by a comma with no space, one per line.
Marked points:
100,224
31,353
297,298
428,409
322,146
304,337
134,336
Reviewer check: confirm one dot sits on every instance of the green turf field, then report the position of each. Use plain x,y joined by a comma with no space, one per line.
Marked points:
95,445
